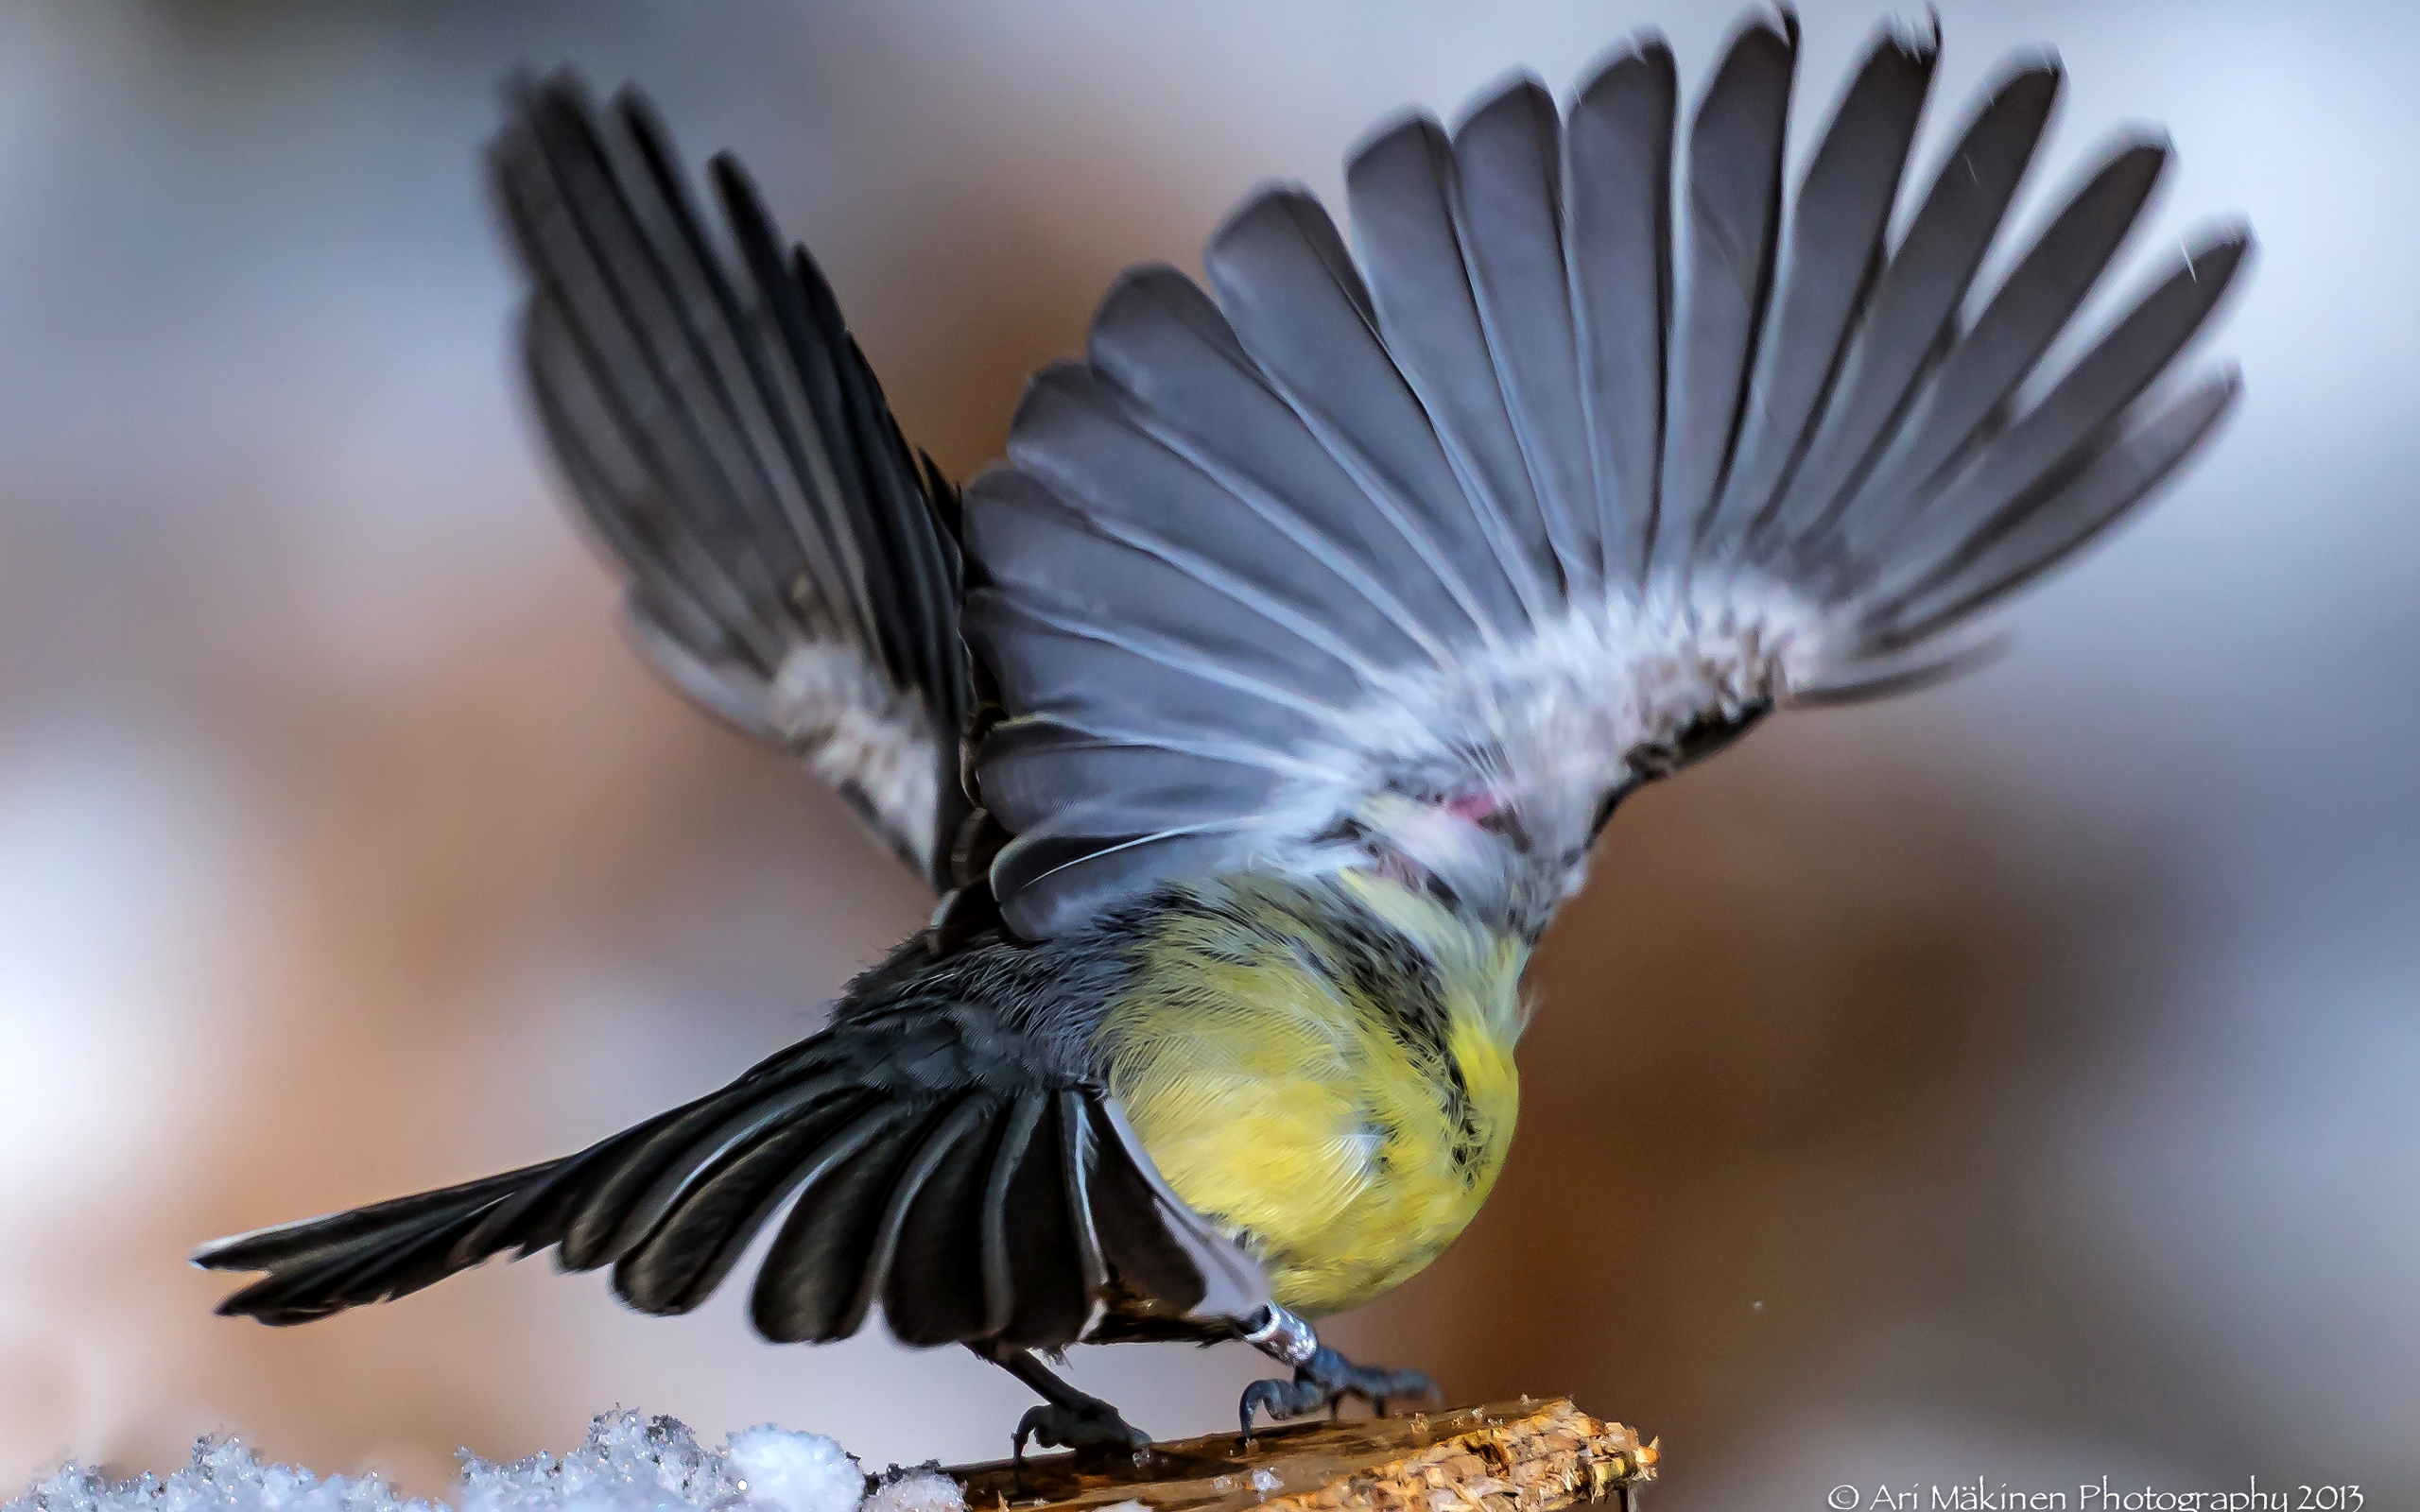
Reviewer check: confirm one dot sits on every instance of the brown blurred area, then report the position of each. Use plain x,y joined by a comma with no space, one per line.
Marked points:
2012,1081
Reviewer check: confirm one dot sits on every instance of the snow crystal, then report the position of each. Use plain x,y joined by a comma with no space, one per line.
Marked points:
223,1477
922,1489
632,1463
782,1471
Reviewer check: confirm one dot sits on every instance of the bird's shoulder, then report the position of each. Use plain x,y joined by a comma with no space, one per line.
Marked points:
981,1007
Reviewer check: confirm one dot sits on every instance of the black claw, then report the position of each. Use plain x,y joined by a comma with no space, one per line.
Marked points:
1324,1381
1093,1422
1282,1399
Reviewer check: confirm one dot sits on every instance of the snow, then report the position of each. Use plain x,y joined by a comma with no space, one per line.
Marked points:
630,1463
782,1471
922,1489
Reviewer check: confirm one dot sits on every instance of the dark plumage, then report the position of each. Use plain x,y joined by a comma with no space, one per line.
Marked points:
731,447
924,1132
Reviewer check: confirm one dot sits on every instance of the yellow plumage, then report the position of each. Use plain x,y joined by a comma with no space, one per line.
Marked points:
1324,1070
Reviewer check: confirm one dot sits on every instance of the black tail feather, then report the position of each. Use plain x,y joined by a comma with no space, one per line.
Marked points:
932,1165
374,1254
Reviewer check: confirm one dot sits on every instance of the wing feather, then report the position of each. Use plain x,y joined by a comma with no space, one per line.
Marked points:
1185,382
1301,309
2024,317
1915,302
1508,210
1420,563
2076,410
1278,591
1836,242
1734,222
786,554
2010,550
1619,161
1401,189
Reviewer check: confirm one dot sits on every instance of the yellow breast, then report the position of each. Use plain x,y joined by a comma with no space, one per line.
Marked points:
1324,1070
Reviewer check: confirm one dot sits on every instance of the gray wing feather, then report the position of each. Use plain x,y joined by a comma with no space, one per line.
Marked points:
1097,607
1300,308
1734,221
1401,190
689,663
2030,452
1163,528
1051,664
686,599
2022,542
1477,514
1036,766
1184,383
1835,245
672,562
785,553
1619,164
1917,298
1061,878
1508,208
2024,315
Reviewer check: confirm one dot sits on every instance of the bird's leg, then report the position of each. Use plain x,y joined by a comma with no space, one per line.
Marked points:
1323,1378
1069,1418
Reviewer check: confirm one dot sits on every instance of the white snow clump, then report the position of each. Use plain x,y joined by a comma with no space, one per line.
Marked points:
782,1471
632,1463
922,1489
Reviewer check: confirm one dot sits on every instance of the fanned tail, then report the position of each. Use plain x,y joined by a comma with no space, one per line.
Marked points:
374,1254
930,1160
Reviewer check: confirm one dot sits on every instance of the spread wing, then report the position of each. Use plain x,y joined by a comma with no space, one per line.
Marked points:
789,559
1360,558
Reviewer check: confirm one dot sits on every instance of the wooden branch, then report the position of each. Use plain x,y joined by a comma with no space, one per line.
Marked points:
1524,1456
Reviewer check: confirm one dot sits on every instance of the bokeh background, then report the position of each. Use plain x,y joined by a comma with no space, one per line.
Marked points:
2014,1082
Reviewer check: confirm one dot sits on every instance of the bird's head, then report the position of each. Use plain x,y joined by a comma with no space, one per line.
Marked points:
1506,850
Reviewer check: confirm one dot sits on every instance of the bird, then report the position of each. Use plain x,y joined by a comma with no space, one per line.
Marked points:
1251,718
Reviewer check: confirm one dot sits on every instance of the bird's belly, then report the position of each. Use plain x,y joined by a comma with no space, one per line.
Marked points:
1338,1208
1343,1142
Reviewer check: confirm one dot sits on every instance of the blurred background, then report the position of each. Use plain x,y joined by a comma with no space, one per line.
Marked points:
2011,1082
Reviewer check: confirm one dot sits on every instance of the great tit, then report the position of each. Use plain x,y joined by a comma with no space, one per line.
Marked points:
1254,715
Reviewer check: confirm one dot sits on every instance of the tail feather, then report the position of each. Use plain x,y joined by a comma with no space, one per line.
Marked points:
374,1254
389,1249
932,1165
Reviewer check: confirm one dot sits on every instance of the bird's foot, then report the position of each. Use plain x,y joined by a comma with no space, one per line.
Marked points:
1325,1380
1084,1424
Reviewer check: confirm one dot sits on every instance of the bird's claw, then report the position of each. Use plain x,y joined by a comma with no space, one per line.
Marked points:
1092,1423
1324,1381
